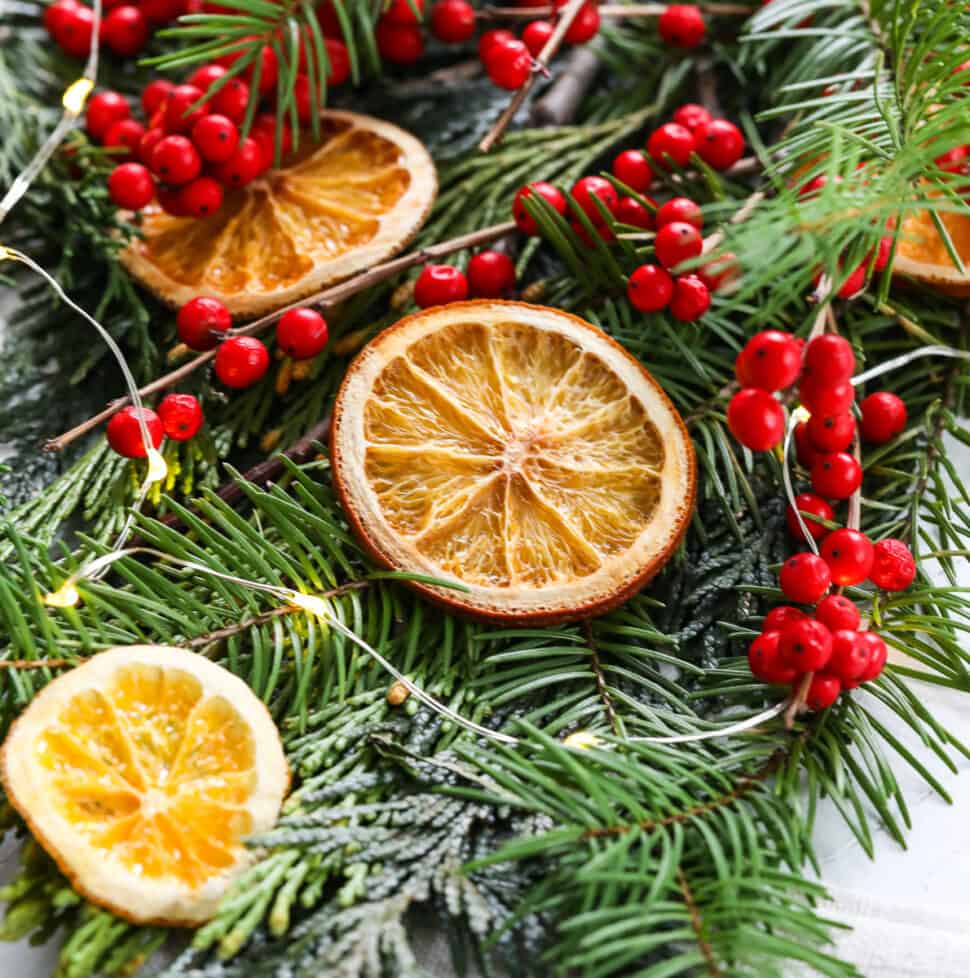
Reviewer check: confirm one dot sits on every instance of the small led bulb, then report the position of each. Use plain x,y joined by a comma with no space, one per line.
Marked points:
310,602
582,740
157,466
76,95
66,596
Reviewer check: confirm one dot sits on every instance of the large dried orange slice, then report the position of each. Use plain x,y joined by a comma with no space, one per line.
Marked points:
922,254
337,207
141,772
516,451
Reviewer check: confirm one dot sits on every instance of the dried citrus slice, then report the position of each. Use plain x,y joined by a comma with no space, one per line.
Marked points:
517,451
141,772
922,254
337,207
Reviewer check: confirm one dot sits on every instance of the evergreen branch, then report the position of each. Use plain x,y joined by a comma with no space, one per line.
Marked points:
697,923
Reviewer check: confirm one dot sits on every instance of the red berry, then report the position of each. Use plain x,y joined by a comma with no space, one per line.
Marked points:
692,116
806,645
829,359
585,25
131,186
632,168
491,274
824,398
849,656
453,21
241,361
893,566
232,100
756,419
650,288
76,31
770,360
719,143
181,416
854,283
831,433
125,30
508,64
201,197
169,200
175,160
154,95
242,167
805,451
877,653
535,35
883,254
671,143
206,76
588,188
953,160
178,117
552,196
780,617
440,284
808,502
765,660
677,242
200,321
805,578
301,333
823,691
883,417
837,612
105,109
57,15
125,434
338,61
682,25
399,44
680,209
836,475
147,144
162,11
404,12
849,555
215,137
126,134
691,299
632,212
490,38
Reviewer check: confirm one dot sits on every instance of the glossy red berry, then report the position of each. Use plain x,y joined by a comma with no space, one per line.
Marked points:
491,275
585,25
440,284
175,160
535,36
200,321
770,360
853,283
206,76
163,11
677,242
682,25
849,555
692,116
823,691
849,656
169,200
404,12
806,645
232,100
453,21
650,288
691,299
552,196
181,416
808,502
241,361
124,134
883,417
836,475
179,114
338,62
216,137
57,15
201,197
766,662
125,434
805,451
633,168
587,190
829,359
821,397
805,578
154,94
780,617
508,64
671,143
104,110
756,419
146,145
401,44
893,565
719,143
125,30
76,31
263,133
301,333
131,186
877,654
680,209
243,166
632,212
837,612
831,433
490,38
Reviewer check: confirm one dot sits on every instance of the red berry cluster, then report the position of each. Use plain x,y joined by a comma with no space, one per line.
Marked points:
491,275
179,417
125,27
693,129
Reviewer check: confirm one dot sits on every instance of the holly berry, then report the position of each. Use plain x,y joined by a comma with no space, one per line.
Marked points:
632,168
206,76
404,12
552,196
630,211
805,450
808,502
854,283
849,656
535,36
57,15
719,143
806,645
263,133
893,566
780,617
154,94
338,60
453,21
837,612
76,31
650,288
680,209
169,200
200,321
691,299
125,434
508,64
836,475
756,419
175,160
829,359
216,137
831,433
491,274
440,284
146,145
241,361
490,38
585,25
162,11
671,143
766,662
181,416
883,417
692,116
586,189
849,555
243,166
677,242
399,44
301,333
125,30
124,134
770,360
131,186
823,691
877,653
201,197
104,110
179,115
824,398
804,578
232,100
682,25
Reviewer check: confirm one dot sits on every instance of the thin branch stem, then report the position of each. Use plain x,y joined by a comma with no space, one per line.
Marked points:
601,687
697,925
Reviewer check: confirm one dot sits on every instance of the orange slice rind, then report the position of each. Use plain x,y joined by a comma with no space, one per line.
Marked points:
922,254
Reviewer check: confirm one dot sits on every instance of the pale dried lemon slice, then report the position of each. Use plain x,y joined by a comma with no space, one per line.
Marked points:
335,208
922,254
515,450
141,772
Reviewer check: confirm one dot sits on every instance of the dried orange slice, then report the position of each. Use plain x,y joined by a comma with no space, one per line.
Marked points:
922,255
141,772
517,451
355,198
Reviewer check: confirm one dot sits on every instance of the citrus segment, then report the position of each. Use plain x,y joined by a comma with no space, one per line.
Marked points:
334,208
922,253
516,451
142,772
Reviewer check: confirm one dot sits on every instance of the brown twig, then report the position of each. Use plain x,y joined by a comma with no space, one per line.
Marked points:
601,688
697,925
37,663
325,299
559,103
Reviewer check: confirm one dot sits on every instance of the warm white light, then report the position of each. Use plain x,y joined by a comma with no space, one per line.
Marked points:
582,740
157,466
65,596
311,603
76,95
801,413
5,254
